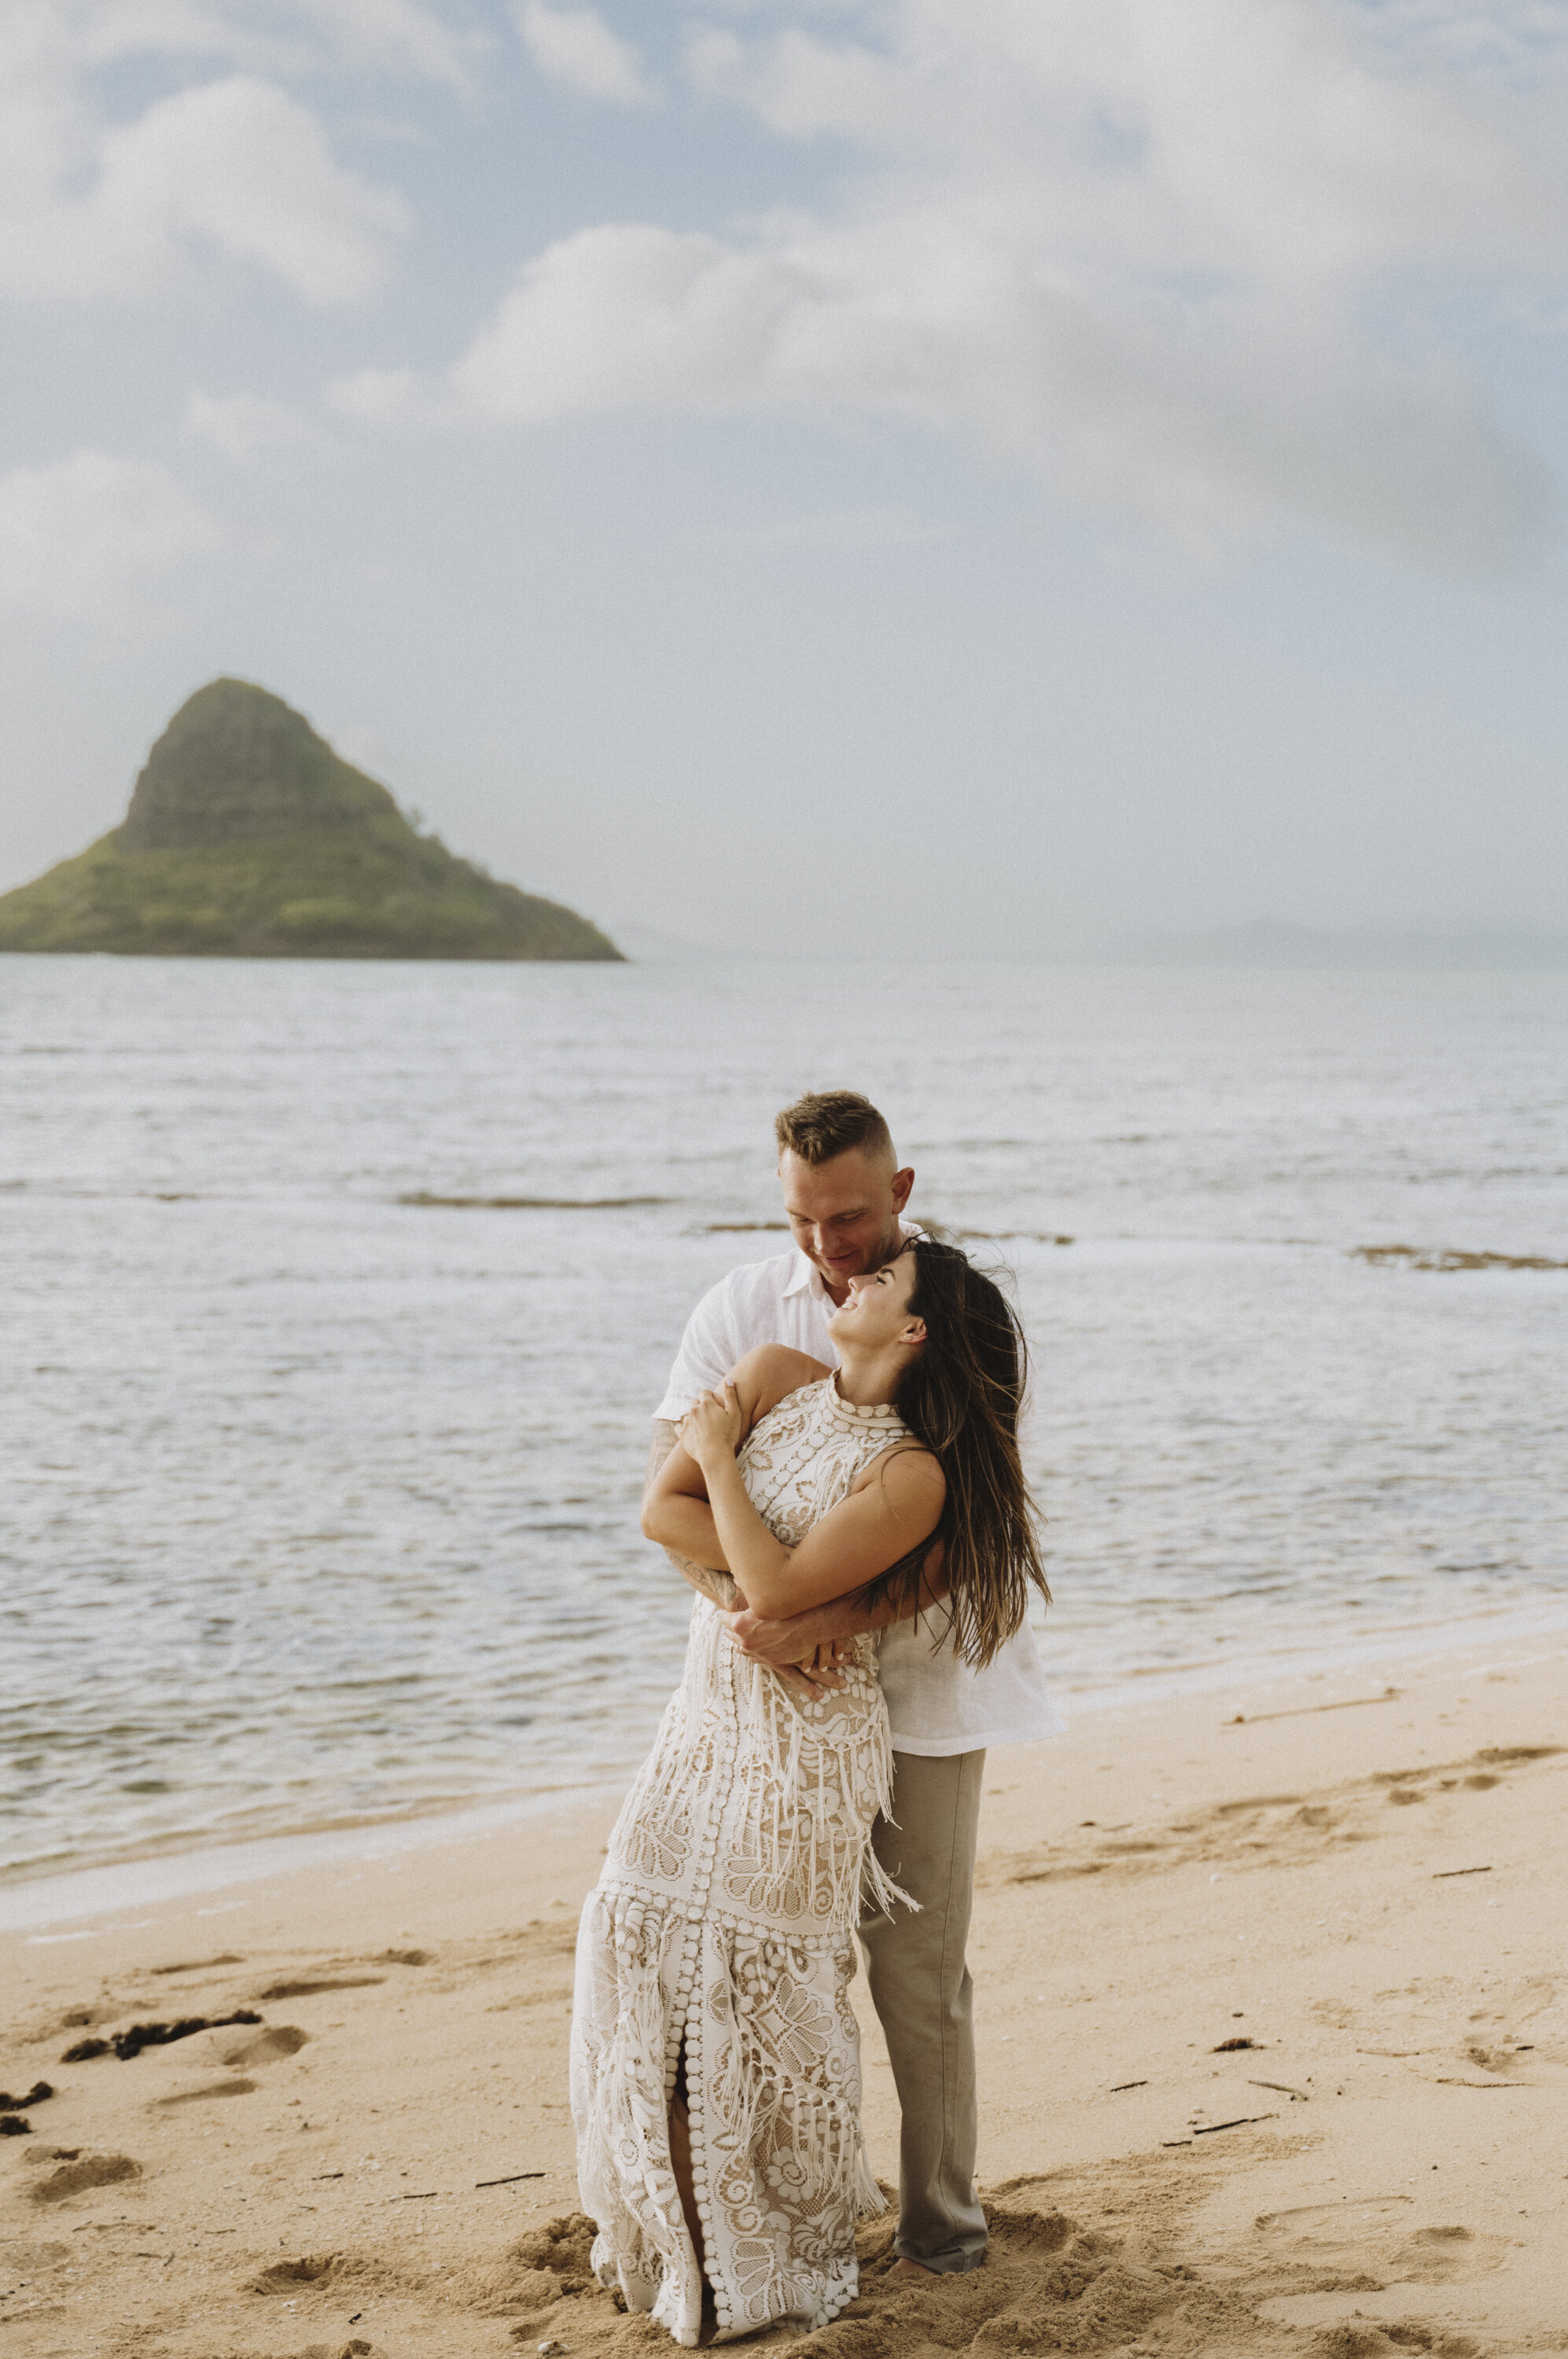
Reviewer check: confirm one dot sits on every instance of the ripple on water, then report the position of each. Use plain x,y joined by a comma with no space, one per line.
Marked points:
339,1297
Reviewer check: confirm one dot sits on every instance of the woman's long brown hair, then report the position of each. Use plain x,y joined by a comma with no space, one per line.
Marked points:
961,1397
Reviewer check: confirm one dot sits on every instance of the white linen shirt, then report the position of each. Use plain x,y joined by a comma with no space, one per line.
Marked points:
936,1703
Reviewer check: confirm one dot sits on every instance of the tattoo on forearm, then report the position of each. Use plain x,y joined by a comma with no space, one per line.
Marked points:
717,1587
664,1440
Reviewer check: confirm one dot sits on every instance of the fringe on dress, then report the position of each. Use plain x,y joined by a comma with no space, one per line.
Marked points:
723,1923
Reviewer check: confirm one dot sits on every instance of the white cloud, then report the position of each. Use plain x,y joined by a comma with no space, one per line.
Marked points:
77,536
91,209
388,397
392,36
243,164
1205,262
247,427
282,37
626,317
575,47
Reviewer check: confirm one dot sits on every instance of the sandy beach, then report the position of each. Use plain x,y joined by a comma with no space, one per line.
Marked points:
1272,2054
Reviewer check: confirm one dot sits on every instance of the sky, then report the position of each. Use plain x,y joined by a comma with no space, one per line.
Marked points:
928,478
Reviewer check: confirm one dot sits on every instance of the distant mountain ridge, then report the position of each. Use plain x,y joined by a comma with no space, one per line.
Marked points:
1273,942
248,837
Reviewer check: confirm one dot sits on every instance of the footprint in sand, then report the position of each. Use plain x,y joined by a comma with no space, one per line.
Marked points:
355,2348
276,1990
1434,2254
86,2170
1332,2226
19,2258
264,2047
325,2273
211,2089
1361,2338
1497,2060
310,2269
239,2053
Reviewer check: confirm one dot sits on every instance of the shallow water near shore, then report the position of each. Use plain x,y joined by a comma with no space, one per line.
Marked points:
322,1489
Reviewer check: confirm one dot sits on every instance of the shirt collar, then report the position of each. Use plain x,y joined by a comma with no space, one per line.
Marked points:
803,1276
807,1278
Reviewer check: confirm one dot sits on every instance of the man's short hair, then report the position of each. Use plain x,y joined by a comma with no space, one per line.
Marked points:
826,1122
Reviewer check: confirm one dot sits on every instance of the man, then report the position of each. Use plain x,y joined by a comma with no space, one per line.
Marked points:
845,1194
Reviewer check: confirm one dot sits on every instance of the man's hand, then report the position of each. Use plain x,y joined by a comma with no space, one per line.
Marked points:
805,1685
713,1426
791,1648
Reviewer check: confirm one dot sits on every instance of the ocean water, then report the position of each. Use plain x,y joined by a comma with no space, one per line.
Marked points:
319,1502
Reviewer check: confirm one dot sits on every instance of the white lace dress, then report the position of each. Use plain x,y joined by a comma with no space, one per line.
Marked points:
725,1918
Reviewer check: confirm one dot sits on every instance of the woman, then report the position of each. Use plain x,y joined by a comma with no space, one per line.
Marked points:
715,2073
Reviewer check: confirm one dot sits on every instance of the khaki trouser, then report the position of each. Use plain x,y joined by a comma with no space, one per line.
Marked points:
924,1997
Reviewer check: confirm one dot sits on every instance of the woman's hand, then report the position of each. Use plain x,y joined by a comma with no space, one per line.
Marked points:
713,1428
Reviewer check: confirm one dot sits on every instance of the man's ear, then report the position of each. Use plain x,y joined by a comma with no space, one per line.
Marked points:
902,1182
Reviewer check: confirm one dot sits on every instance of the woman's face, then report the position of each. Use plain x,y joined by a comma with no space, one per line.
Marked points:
877,1310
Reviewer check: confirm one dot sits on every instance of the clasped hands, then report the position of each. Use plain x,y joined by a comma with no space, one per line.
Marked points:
810,1670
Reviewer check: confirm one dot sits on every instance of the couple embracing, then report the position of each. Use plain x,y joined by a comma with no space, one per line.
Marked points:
836,1473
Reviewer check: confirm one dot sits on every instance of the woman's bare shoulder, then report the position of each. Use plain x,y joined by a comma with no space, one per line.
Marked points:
768,1374
910,1474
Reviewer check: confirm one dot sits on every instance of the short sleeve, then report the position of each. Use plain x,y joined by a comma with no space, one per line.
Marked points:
709,1349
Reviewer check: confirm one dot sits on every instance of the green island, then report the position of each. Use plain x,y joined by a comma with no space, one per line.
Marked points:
248,837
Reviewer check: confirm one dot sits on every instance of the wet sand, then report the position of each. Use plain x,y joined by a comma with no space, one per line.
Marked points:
1272,2039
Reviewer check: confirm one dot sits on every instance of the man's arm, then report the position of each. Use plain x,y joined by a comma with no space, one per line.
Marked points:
823,1628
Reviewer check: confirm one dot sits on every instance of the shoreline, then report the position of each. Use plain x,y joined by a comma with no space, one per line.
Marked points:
143,1879
1360,1885
178,1868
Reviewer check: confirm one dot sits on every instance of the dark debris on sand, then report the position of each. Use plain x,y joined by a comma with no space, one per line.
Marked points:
129,2043
38,2094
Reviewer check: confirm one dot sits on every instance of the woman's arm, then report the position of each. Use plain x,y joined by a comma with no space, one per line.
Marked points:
896,1504
675,1510
676,1513
715,1586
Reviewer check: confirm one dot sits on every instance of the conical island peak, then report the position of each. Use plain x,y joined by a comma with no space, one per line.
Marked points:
248,837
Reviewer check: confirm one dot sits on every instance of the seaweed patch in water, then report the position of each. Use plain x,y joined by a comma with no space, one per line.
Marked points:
1429,1257
423,1196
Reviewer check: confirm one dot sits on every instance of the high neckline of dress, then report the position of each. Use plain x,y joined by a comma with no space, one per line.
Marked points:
882,1413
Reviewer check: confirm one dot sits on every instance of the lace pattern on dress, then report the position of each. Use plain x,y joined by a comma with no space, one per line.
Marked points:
723,1918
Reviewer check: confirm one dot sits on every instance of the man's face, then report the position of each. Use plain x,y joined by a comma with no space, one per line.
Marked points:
844,1215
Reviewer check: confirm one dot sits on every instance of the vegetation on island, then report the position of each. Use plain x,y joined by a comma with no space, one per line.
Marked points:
248,837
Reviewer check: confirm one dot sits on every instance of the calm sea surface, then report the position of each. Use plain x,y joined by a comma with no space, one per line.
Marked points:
321,1504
